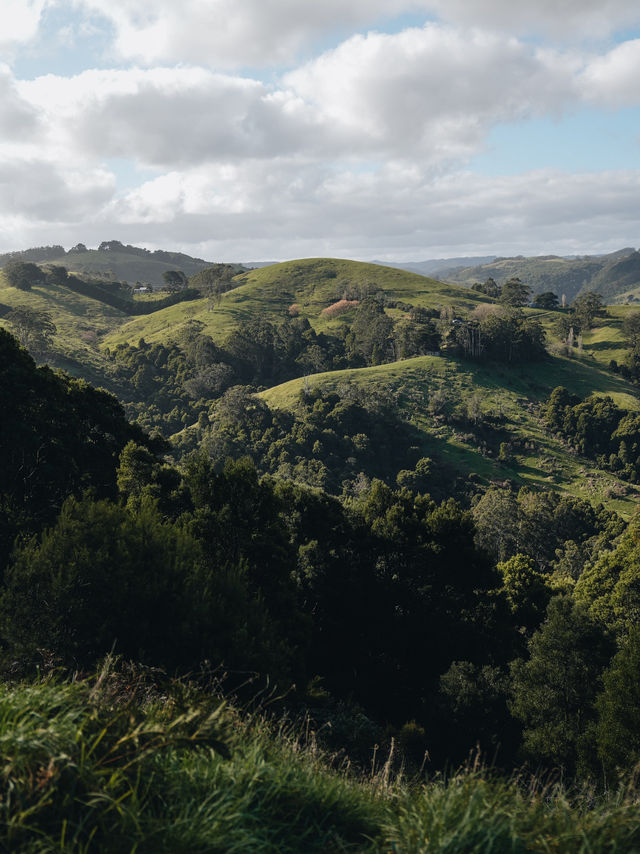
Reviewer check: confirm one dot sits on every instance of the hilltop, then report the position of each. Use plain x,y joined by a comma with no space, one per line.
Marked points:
481,406
306,287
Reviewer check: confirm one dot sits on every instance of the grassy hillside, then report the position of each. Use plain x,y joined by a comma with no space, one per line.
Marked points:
506,399
81,322
618,277
312,285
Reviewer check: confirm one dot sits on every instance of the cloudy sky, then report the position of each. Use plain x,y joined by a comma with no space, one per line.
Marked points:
243,130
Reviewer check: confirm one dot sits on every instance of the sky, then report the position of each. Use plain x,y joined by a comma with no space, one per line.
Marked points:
248,130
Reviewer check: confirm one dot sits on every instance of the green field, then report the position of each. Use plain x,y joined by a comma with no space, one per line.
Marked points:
81,322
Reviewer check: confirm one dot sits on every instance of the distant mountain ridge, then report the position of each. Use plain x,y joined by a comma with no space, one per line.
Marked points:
616,275
437,265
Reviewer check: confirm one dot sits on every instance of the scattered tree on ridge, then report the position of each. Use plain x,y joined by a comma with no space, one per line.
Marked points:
515,293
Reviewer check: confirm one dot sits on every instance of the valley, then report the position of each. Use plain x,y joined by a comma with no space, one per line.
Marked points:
341,523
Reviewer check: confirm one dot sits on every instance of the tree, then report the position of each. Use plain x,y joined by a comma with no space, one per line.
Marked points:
175,280
213,281
22,275
526,589
57,274
515,293
631,328
610,587
34,329
618,731
559,403
496,518
102,577
489,288
547,300
369,339
58,436
412,338
510,336
553,693
475,714
585,309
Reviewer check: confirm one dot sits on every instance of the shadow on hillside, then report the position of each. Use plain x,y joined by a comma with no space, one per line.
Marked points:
59,300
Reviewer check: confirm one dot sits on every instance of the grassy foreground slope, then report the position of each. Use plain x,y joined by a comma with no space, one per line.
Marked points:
111,764
311,284
506,397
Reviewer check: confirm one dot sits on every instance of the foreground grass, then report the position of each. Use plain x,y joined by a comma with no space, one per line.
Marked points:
111,765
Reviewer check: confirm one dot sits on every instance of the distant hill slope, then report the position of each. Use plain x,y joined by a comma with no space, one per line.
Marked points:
311,285
610,275
81,323
508,398
437,266
114,260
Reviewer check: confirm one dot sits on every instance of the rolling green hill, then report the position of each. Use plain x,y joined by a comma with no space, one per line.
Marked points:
81,323
506,399
311,285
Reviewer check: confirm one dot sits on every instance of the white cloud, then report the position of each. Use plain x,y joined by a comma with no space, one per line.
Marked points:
431,93
255,33
565,20
434,90
47,192
228,33
286,209
612,79
20,21
245,211
18,118
168,117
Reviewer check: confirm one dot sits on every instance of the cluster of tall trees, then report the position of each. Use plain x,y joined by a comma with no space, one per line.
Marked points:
513,292
500,334
598,428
